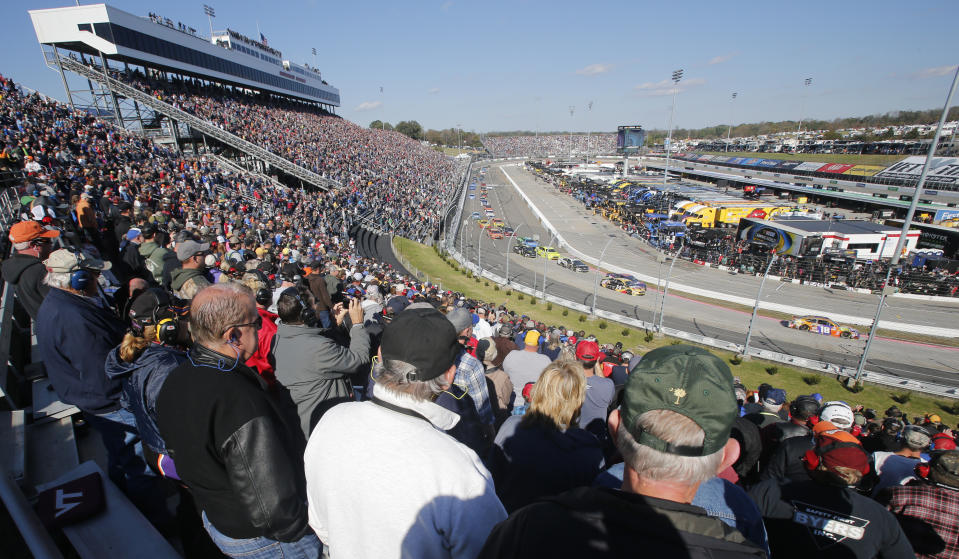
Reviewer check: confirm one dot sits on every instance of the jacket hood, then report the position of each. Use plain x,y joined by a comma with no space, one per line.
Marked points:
14,266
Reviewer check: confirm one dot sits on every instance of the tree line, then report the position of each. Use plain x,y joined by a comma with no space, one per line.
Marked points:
447,137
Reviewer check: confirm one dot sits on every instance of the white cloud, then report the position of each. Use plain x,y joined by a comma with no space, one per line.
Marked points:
936,72
721,58
447,5
667,87
434,91
594,69
368,106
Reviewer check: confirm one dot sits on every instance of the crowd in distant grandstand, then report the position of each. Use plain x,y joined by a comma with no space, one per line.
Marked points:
550,145
227,342
403,184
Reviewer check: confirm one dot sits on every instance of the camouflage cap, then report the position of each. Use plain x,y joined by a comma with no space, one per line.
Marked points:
689,381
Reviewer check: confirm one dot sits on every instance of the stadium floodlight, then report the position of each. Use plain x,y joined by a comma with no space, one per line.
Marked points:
589,107
571,110
730,131
802,107
677,76
210,14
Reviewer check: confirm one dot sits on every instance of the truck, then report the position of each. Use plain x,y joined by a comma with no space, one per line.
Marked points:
722,214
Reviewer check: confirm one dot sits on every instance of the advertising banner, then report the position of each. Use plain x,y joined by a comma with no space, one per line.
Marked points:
808,166
720,159
943,170
835,168
773,238
752,161
768,162
736,160
945,215
788,165
705,157
864,170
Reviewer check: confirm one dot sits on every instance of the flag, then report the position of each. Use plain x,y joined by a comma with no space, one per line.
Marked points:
263,40
381,89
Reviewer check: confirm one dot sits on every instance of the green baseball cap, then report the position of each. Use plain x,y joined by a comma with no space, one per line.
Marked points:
689,381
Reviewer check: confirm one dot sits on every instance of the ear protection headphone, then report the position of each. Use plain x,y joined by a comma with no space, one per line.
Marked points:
80,279
307,313
264,296
164,320
813,456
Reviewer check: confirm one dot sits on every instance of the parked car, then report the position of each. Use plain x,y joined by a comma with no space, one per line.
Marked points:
573,264
824,326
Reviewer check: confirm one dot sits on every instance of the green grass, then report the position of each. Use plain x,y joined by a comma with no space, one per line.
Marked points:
423,260
883,160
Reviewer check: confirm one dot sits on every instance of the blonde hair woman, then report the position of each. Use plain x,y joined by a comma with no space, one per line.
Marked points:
544,452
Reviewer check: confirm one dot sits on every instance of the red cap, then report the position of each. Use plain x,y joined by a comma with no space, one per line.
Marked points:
588,351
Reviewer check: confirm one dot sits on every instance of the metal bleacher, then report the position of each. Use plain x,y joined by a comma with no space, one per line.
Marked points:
39,450
198,124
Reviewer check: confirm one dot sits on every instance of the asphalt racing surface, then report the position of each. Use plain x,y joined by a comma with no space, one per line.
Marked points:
589,233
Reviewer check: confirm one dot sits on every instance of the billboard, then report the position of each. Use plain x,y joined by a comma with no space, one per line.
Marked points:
629,139
720,159
864,170
752,162
943,170
773,238
788,165
809,166
835,168
768,162
736,160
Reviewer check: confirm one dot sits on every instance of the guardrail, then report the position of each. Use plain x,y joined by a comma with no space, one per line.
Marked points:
778,357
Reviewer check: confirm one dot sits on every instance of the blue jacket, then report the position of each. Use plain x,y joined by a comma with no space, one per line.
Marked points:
142,381
74,336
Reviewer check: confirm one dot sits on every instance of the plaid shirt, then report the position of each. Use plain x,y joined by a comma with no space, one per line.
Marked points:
921,506
471,377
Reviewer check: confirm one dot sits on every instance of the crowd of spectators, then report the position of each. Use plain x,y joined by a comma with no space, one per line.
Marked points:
404,184
558,145
301,399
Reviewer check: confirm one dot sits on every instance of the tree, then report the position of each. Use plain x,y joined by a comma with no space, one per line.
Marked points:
831,135
376,124
911,135
410,128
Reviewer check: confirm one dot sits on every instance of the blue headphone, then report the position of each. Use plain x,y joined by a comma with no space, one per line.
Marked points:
80,279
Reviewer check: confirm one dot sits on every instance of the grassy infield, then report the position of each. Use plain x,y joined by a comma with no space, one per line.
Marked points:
425,261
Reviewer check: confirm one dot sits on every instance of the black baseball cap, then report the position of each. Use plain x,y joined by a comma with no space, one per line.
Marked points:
423,338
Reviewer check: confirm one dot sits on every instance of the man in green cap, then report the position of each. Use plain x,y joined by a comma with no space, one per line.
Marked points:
673,432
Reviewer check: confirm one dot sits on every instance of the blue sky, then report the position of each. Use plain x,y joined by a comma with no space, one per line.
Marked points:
500,65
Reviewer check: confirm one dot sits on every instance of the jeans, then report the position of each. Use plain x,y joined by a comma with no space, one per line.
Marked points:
307,547
126,465
325,319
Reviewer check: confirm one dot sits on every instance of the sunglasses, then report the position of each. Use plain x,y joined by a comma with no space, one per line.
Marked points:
256,324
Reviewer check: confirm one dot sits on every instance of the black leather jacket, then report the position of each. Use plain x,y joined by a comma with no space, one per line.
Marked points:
233,448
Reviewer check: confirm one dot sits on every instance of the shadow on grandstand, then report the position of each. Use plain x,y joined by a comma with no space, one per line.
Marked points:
377,247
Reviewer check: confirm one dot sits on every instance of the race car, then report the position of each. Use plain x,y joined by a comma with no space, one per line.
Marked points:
623,286
523,250
824,326
547,252
508,232
494,233
573,264
483,223
475,215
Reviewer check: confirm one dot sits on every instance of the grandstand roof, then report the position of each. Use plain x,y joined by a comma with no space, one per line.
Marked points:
842,226
227,56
